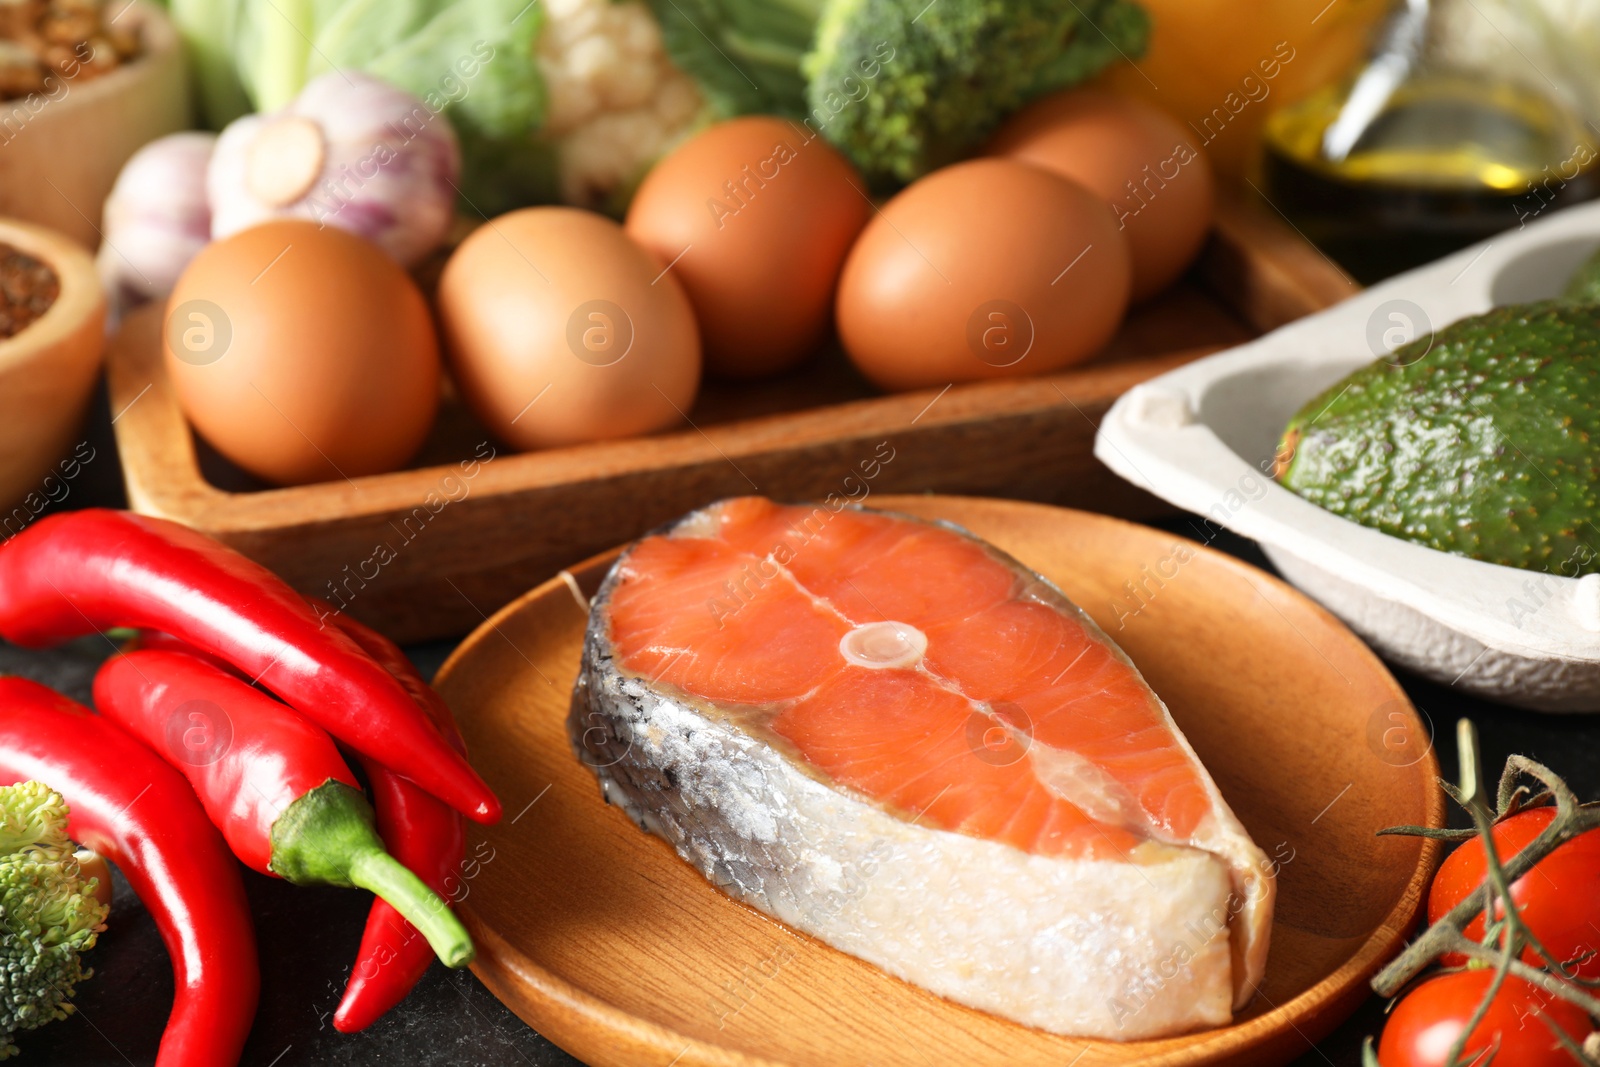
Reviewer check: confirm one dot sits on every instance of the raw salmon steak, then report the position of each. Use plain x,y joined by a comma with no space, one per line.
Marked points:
901,741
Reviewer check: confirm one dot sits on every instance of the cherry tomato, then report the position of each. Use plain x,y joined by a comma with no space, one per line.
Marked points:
1431,1016
1559,899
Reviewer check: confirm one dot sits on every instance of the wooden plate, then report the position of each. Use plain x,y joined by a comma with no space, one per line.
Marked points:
608,944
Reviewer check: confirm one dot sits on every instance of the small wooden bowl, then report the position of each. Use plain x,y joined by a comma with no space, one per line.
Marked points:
60,153
616,950
47,371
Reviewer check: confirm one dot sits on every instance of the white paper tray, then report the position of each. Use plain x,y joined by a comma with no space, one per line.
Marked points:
1203,436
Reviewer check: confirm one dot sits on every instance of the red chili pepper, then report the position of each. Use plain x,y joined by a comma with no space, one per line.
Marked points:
155,640
271,780
132,808
78,572
419,831
425,835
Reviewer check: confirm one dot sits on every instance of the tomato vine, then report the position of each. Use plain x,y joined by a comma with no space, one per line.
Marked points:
1507,937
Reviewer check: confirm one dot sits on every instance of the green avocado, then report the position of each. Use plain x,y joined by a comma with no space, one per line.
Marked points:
1584,285
1485,443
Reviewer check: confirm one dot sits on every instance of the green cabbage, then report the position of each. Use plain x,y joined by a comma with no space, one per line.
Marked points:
471,59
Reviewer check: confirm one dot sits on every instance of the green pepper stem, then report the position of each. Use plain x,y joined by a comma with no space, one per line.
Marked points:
327,837
388,878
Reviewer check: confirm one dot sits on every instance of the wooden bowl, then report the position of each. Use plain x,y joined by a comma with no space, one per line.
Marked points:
60,153
47,372
603,940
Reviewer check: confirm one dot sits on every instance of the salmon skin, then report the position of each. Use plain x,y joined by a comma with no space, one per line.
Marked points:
895,738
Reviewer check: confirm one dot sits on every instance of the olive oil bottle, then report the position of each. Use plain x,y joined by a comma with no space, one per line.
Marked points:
1416,156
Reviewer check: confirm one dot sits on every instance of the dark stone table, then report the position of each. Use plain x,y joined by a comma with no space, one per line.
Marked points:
309,936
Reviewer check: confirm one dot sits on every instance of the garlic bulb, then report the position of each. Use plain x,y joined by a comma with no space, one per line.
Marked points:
350,151
156,219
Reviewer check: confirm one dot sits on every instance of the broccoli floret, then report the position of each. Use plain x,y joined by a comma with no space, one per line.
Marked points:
901,86
49,914
905,86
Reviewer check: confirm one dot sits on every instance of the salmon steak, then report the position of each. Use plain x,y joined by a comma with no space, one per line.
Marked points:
897,739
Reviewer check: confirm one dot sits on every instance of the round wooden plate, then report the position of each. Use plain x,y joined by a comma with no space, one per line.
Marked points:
604,941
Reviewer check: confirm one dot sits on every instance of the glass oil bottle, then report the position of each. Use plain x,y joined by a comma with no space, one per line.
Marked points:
1432,145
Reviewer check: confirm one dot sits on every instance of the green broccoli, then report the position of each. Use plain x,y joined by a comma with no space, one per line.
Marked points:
49,914
901,86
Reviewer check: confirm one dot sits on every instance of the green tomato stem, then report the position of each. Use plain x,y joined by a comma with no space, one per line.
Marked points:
1471,777
1508,932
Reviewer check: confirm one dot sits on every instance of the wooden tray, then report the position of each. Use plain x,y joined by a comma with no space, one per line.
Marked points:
799,437
605,942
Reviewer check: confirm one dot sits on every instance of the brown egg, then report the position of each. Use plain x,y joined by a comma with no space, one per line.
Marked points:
756,216
561,330
303,353
986,269
1137,158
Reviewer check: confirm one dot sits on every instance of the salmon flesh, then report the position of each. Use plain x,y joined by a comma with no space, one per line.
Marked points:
899,740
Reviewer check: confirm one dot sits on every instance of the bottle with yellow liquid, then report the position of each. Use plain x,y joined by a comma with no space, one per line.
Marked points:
1221,67
1433,145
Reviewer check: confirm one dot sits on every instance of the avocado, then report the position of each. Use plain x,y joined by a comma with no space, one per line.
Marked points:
1484,442
1584,285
